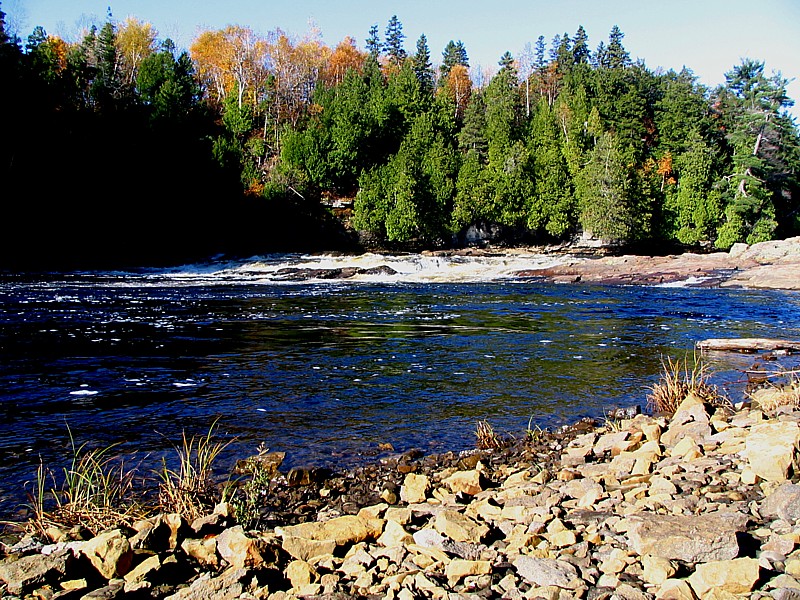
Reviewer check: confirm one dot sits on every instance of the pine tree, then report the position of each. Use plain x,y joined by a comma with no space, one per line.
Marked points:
580,47
422,64
616,56
454,54
374,45
506,63
394,41
539,56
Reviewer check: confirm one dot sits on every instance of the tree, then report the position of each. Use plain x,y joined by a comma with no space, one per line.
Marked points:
454,54
581,55
457,86
393,44
422,64
526,67
135,41
506,63
374,45
345,57
603,188
615,56
752,106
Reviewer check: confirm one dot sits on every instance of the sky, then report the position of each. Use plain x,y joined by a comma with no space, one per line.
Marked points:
709,37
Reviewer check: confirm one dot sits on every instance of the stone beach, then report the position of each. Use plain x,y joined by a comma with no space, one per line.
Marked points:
700,504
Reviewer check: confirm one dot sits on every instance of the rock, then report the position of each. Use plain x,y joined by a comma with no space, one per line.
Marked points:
415,488
238,549
203,551
675,589
770,449
783,503
459,527
29,572
394,535
690,420
228,586
140,572
785,594
545,572
656,569
305,549
692,539
349,529
300,574
736,576
458,568
110,553
466,482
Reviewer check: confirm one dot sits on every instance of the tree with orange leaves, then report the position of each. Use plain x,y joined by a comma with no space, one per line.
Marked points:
345,57
458,88
231,60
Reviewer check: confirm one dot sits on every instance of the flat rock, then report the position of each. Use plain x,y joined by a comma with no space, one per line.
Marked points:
349,529
692,539
736,576
545,572
29,572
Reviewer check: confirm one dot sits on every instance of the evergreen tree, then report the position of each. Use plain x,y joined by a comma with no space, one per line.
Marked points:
616,56
539,61
581,54
422,64
752,106
454,54
603,189
506,63
374,45
393,43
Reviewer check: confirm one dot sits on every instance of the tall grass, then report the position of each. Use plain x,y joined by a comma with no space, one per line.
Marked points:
678,379
96,491
189,490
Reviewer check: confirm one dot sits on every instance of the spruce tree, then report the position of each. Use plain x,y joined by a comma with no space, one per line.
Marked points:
394,41
454,54
374,45
616,56
580,47
422,64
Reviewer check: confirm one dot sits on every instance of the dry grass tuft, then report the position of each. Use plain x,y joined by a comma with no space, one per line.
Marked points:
771,398
190,490
678,380
487,437
97,492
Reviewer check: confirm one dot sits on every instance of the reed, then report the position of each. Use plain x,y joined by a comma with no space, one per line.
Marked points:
678,380
487,438
189,490
96,492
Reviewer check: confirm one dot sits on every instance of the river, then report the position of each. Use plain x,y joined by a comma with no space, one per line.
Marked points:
328,370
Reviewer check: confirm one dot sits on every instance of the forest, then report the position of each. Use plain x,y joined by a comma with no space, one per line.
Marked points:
121,149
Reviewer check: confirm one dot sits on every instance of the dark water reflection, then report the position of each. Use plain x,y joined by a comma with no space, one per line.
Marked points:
326,373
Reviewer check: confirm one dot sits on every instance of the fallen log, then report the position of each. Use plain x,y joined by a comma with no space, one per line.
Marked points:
748,345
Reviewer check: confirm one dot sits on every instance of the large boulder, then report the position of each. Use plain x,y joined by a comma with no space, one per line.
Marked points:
771,447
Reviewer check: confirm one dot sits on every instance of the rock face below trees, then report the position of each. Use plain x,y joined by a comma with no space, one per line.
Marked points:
625,511
768,265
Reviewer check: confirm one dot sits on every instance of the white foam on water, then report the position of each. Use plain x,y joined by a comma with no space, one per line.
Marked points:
408,268
83,393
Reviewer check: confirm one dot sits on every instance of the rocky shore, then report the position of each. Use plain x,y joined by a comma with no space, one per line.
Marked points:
766,265
700,504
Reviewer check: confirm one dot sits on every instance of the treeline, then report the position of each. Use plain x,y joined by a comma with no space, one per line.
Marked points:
123,147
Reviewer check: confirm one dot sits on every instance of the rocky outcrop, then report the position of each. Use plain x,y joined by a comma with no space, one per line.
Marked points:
769,265
701,505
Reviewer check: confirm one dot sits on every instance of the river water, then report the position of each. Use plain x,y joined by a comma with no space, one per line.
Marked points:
328,370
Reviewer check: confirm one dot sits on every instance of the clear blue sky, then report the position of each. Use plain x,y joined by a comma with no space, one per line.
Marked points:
708,36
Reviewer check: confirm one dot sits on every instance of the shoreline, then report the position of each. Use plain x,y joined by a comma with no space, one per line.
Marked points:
690,505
